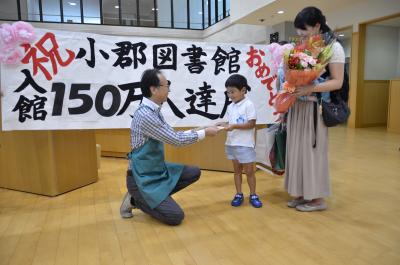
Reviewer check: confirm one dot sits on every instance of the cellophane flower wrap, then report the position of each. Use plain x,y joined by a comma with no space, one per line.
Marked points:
303,64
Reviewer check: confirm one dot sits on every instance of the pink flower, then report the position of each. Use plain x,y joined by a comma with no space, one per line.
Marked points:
272,47
10,54
7,34
277,51
24,32
11,36
312,62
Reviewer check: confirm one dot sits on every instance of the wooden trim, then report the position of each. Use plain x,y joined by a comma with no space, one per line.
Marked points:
389,105
353,93
380,19
378,124
360,74
376,81
393,124
113,154
357,76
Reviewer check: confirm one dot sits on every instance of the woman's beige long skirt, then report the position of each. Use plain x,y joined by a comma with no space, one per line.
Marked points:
307,168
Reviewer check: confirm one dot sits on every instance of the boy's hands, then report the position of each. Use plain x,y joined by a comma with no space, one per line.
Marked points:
230,127
211,131
225,126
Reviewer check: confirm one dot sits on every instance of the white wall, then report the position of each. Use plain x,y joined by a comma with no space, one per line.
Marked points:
241,33
398,58
362,12
290,31
280,28
381,53
244,33
241,8
286,31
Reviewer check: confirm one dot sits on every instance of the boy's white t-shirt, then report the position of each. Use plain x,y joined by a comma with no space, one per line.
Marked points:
239,113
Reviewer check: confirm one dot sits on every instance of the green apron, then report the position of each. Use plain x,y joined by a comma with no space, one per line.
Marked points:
154,177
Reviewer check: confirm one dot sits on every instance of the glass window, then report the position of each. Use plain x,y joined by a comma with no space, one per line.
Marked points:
147,13
129,12
212,13
30,10
72,11
110,12
151,13
228,8
8,10
196,14
51,10
180,14
206,24
164,13
220,10
91,11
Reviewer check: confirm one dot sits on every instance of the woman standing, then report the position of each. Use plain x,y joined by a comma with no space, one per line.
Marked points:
307,170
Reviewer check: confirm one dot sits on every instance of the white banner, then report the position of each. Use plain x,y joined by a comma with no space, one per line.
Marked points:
72,80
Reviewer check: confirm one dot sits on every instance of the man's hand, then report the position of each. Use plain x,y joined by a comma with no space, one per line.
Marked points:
211,131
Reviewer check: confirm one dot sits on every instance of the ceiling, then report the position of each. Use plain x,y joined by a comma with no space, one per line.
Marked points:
269,12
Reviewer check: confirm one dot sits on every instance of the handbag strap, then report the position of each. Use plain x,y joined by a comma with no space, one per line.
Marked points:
315,112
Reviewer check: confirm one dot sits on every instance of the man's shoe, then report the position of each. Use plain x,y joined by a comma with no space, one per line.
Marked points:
237,200
126,207
255,201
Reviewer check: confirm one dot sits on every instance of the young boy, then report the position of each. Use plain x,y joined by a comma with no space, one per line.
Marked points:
239,146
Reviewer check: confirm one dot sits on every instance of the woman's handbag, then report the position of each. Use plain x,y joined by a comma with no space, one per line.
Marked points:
334,112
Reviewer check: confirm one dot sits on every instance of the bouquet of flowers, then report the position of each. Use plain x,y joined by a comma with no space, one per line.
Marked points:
303,64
